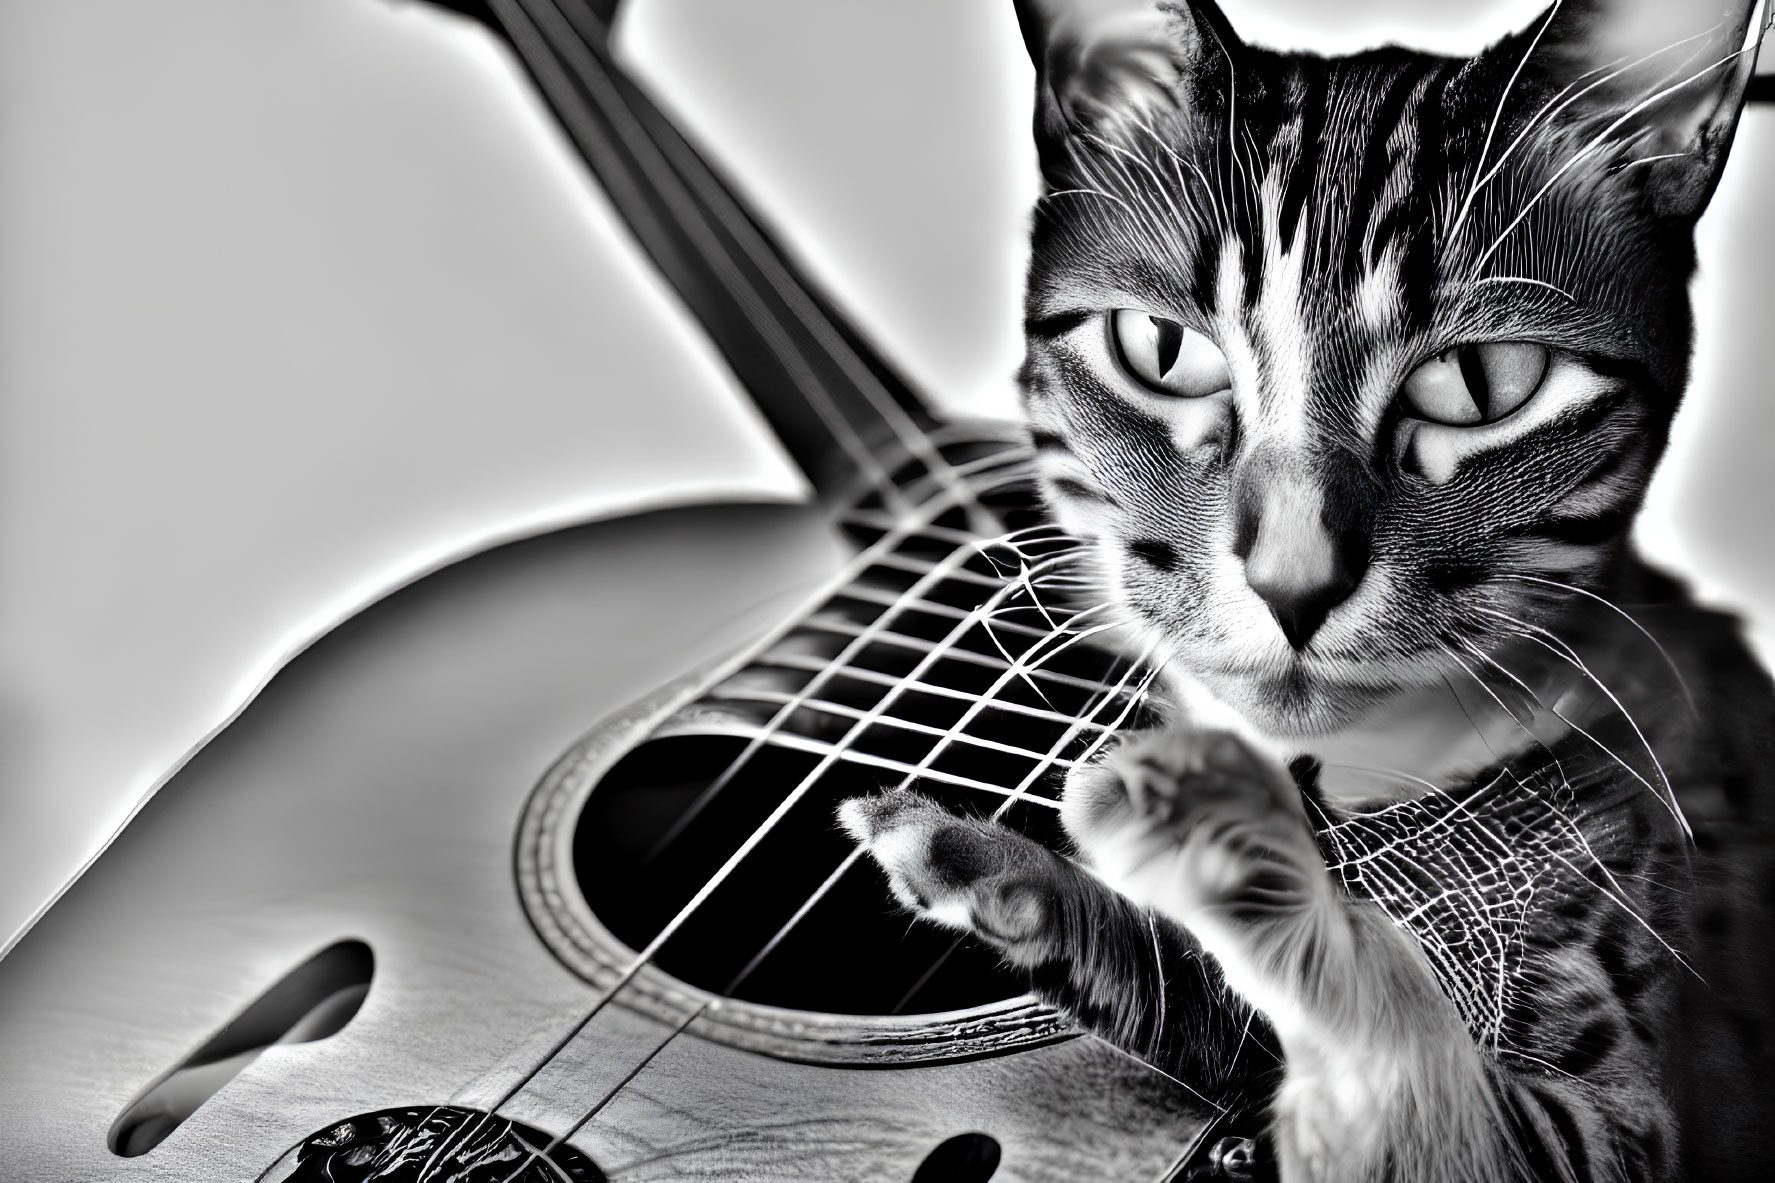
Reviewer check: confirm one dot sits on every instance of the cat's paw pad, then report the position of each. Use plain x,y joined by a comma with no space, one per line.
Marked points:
961,873
1193,819
1169,775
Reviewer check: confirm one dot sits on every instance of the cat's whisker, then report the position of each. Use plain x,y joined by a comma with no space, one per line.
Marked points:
1543,1064
1551,641
1041,652
1471,721
1476,651
1669,662
1568,94
1665,795
1077,192
1596,143
1498,114
1565,97
1541,283
1565,652
1066,635
1652,159
1498,665
1023,577
1614,892
1035,533
1390,774
1490,692
1668,795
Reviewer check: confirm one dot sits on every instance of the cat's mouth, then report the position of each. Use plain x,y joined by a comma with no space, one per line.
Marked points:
1302,696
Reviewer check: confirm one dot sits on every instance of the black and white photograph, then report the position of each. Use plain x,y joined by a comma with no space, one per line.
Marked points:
896,591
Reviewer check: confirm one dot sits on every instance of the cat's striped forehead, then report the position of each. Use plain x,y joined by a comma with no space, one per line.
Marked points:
1337,181
1347,208
1328,355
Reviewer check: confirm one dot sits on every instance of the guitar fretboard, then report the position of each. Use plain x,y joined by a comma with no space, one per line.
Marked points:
974,669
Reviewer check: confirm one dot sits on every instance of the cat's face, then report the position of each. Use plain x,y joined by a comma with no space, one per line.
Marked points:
1351,367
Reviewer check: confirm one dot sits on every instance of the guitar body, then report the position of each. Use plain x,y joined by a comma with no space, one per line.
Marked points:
372,794
530,873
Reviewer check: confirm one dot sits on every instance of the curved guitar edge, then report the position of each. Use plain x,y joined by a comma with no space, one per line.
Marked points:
306,635
371,793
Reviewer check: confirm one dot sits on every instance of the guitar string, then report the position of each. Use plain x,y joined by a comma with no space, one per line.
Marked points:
733,861
850,712
843,666
1049,761
852,571
577,61
1082,758
1108,695
1004,679
866,635
672,926
938,572
981,467
745,973
842,430
1045,765
561,84
936,688
688,166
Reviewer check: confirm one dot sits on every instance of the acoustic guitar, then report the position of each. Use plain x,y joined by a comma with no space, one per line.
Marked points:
409,920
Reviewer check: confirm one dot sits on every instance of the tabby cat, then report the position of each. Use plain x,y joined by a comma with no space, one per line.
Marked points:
1454,860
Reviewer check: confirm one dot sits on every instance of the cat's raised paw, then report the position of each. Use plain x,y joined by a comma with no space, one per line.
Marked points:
1182,820
960,872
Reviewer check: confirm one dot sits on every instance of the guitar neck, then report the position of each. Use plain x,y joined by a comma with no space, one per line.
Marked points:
831,399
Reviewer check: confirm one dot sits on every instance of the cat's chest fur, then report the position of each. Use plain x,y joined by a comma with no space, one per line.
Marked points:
1484,826
1424,741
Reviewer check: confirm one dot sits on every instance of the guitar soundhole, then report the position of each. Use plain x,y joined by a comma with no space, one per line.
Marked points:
938,668
854,953
958,666
421,1143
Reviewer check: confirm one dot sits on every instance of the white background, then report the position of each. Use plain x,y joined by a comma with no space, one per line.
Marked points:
301,298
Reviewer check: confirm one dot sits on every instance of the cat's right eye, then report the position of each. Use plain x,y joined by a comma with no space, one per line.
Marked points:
1474,384
1167,357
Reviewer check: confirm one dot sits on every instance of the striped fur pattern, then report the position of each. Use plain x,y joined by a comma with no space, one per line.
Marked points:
1502,915
1331,223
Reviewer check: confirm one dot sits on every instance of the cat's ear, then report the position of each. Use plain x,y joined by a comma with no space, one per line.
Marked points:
1656,84
1103,67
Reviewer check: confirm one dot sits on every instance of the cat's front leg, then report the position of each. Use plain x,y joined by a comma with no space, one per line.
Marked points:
1135,978
1381,1078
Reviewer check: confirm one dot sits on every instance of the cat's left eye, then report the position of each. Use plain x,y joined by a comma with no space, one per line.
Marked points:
1475,384
1167,357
